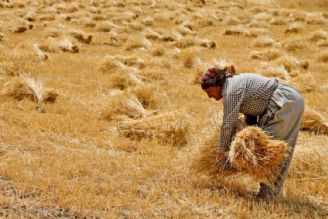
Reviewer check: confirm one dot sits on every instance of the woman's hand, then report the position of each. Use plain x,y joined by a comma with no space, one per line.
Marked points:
220,157
222,162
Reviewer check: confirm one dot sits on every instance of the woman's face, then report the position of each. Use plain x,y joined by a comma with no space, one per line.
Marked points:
214,92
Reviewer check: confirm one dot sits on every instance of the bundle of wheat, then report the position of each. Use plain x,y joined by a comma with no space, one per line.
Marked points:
205,21
314,121
258,24
170,128
137,42
185,42
205,161
294,45
42,56
291,63
263,41
21,27
109,64
263,16
295,28
87,22
304,83
66,45
135,27
124,78
274,71
232,20
319,35
154,73
239,31
316,19
197,73
22,87
105,26
183,30
151,34
147,95
157,50
206,43
148,21
10,68
278,21
267,55
81,36
225,65
132,60
251,150
189,58
124,106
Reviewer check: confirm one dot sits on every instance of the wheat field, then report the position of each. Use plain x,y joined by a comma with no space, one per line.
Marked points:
101,115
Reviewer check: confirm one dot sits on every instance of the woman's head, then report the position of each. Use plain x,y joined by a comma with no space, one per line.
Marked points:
213,77
212,81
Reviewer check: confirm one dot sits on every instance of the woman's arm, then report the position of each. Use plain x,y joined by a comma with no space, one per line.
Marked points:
231,104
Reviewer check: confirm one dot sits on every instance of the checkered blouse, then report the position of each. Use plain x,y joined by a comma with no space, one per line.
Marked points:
245,93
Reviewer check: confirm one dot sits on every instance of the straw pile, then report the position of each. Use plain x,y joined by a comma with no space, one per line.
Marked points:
304,83
137,43
314,121
66,45
274,71
81,36
319,35
148,96
251,150
205,162
170,128
124,106
239,31
294,28
110,64
225,65
128,77
42,56
23,87
263,41
267,55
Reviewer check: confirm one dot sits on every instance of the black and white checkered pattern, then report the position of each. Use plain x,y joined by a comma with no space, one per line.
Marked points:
244,93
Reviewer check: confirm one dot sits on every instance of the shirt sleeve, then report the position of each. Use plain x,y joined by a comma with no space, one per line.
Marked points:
231,106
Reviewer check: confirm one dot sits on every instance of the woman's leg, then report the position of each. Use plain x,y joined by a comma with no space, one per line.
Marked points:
282,122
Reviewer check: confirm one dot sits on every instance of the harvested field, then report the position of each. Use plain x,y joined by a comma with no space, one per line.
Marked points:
102,115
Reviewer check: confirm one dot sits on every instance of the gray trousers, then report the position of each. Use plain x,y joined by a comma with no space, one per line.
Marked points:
282,121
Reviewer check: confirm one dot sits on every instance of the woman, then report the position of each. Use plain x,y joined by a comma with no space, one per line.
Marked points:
276,108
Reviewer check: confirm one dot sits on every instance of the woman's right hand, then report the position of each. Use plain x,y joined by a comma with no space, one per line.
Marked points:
222,162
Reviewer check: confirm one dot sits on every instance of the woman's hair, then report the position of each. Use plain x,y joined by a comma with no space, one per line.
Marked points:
214,77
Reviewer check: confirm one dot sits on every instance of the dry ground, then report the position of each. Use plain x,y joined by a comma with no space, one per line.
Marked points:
64,156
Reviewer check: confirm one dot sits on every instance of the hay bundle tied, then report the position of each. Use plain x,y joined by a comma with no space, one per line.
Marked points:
251,150
170,128
66,45
204,162
314,121
267,55
128,77
23,87
124,106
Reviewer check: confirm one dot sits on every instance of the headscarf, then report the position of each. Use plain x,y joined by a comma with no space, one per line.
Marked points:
214,77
